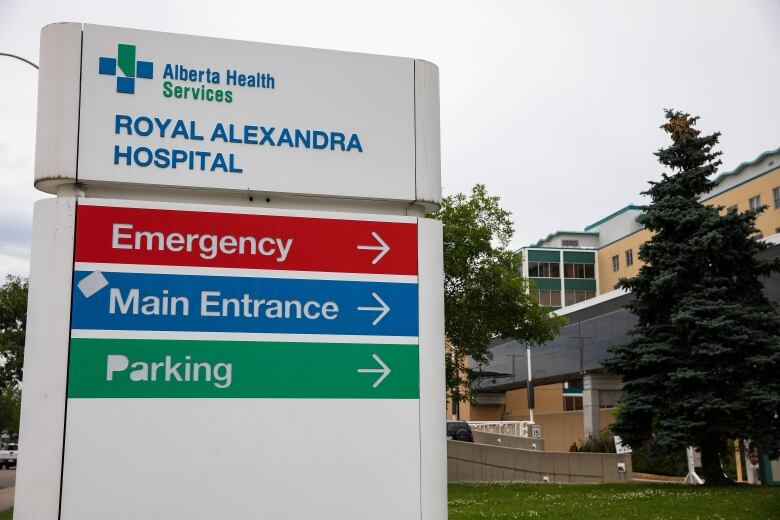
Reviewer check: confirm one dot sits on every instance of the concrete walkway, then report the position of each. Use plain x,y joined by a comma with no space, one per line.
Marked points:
7,483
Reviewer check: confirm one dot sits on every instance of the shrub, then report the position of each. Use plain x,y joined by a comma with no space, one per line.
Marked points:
604,442
648,458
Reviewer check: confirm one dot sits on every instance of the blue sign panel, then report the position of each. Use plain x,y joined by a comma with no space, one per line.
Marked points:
165,302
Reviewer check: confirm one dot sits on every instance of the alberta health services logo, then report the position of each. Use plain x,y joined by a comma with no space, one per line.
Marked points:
203,84
128,66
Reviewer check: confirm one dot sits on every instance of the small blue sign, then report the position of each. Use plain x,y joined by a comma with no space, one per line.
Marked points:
165,302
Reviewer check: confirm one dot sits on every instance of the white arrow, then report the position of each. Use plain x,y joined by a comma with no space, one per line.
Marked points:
385,370
383,247
384,308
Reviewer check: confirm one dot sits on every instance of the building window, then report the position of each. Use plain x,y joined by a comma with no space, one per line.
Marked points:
578,270
544,269
549,298
572,403
570,243
615,263
733,208
573,297
776,194
755,202
630,257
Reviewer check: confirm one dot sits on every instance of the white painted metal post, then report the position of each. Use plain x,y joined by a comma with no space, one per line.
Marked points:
691,477
529,388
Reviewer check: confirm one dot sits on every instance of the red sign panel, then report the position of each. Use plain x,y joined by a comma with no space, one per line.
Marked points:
120,235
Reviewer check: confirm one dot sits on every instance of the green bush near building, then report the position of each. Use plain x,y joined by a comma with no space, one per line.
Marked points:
611,501
648,458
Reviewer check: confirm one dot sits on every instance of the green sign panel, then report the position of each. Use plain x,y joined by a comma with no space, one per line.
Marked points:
133,368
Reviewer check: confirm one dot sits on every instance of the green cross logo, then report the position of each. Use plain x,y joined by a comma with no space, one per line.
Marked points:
128,66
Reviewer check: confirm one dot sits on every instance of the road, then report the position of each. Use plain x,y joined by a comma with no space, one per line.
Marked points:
7,483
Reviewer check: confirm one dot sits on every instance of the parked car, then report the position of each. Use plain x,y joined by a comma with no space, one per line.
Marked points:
459,431
8,455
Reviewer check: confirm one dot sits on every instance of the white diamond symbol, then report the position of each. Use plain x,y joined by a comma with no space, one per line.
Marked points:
92,283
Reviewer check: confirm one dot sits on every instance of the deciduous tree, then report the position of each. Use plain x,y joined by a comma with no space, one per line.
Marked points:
13,320
485,294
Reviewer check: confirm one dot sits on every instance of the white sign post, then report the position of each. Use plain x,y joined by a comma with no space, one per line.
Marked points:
236,303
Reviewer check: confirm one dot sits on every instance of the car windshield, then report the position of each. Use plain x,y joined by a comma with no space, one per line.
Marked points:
13,447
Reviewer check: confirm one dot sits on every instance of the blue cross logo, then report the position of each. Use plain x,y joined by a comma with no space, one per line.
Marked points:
128,66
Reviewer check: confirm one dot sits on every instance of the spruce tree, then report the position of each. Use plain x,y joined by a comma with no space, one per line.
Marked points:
703,366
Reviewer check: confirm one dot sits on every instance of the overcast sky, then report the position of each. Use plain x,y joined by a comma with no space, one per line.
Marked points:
554,105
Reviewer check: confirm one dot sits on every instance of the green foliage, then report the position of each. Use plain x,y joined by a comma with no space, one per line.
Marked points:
13,320
652,458
703,362
485,294
10,405
604,442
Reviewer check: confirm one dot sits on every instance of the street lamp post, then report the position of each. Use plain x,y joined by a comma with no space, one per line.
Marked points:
530,385
28,62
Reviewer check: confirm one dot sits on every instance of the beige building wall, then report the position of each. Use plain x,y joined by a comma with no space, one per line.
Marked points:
547,399
608,277
490,412
560,430
768,223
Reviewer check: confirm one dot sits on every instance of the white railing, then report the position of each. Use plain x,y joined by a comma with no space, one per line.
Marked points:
517,428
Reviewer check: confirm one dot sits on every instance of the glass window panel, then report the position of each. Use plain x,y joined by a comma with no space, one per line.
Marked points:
533,269
776,193
755,202
555,298
616,263
570,298
568,270
555,270
590,271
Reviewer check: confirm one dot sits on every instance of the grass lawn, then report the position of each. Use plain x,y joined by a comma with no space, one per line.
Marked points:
612,501
605,502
